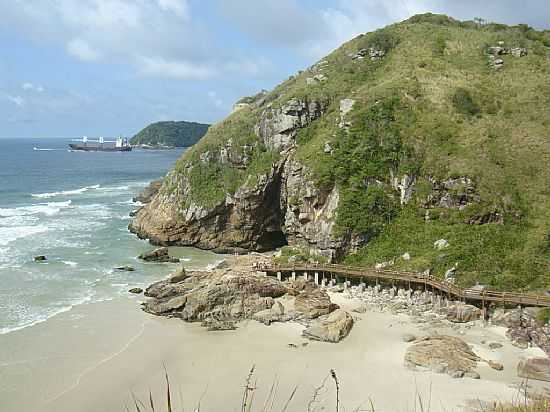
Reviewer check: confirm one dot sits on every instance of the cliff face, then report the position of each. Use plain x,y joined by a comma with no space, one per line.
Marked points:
281,206
428,132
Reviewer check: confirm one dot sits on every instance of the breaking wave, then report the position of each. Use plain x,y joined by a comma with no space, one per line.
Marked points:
66,192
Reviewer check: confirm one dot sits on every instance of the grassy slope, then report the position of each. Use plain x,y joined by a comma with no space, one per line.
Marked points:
407,119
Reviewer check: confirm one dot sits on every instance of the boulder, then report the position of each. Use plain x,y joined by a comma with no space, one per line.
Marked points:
442,354
495,365
461,313
312,302
441,244
40,258
518,51
274,314
472,375
330,328
133,213
167,306
519,337
149,192
159,255
218,325
495,345
126,268
408,337
214,295
535,368
136,291
179,276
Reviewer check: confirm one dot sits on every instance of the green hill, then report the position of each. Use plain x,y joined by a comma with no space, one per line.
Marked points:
428,130
172,134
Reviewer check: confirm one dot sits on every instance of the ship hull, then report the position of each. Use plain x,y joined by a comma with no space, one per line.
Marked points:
98,148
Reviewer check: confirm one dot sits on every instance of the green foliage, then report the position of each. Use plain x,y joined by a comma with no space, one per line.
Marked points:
544,316
439,19
464,102
490,254
382,40
432,108
172,134
372,147
365,211
298,254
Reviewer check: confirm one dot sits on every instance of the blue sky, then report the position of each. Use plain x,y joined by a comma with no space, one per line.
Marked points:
107,67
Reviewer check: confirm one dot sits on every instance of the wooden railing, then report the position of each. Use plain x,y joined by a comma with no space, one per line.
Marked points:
484,295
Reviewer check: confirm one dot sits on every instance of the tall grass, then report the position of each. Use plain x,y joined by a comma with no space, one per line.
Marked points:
249,402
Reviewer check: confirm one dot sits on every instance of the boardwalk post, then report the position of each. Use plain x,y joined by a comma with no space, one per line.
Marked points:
316,278
293,275
306,277
279,276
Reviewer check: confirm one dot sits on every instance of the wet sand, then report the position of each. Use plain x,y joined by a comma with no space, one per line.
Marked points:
96,356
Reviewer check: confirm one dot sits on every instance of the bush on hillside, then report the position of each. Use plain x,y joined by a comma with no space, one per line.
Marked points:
464,102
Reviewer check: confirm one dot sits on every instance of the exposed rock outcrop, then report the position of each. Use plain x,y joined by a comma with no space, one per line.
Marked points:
248,220
278,126
312,303
159,255
149,192
461,313
523,328
218,296
330,328
442,354
310,213
535,368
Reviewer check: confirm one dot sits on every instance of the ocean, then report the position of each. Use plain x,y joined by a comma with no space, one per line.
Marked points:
72,207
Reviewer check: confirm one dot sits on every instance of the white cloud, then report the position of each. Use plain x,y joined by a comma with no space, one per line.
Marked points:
81,49
157,33
28,86
176,69
180,7
17,100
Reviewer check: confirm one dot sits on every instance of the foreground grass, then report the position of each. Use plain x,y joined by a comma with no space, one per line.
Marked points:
249,401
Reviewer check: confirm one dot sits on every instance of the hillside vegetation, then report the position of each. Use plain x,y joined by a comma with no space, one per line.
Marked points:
447,138
170,134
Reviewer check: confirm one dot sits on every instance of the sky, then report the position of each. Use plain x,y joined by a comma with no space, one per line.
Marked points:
110,67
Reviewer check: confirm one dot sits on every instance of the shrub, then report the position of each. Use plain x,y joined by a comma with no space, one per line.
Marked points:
439,46
544,316
382,40
365,211
464,103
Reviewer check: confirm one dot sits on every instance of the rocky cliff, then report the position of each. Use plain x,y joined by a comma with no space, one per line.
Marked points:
400,138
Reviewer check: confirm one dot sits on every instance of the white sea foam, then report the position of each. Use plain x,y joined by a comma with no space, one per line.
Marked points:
69,263
48,209
38,149
37,318
66,192
10,234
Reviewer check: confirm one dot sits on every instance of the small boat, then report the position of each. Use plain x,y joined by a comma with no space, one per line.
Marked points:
101,145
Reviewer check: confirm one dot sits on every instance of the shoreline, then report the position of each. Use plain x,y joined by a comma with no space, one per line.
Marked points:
121,350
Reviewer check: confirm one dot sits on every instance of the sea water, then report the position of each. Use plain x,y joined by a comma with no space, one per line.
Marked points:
72,207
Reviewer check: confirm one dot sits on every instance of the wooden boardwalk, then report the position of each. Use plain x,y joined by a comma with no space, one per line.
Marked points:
427,281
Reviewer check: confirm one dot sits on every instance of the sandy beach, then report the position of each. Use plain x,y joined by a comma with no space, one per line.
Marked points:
119,351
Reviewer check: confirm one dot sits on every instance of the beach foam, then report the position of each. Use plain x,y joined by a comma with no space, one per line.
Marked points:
10,234
66,192
48,209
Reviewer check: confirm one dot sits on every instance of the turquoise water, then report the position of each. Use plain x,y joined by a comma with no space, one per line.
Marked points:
72,207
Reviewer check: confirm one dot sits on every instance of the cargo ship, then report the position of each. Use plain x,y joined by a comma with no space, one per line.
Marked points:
101,145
